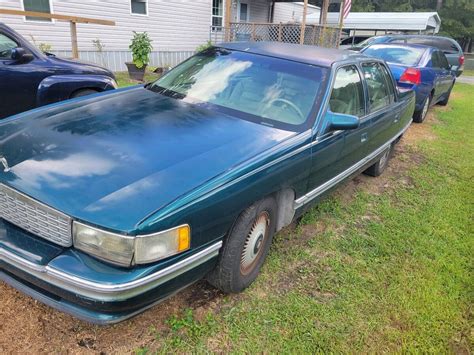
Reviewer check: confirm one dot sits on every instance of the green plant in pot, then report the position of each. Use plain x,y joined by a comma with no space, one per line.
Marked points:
141,48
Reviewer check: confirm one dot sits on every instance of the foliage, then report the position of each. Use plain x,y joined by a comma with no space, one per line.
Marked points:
97,43
141,48
45,47
204,46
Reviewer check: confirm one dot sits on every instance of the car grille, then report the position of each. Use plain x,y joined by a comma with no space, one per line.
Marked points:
34,217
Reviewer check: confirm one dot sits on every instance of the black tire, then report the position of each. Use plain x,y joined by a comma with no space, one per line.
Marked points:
445,101
419,116
233,272
381,164
83,92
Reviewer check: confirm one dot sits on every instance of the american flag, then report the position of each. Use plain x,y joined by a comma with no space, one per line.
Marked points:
347,8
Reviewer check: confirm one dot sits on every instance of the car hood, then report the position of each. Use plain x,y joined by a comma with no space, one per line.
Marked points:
79,67
113,159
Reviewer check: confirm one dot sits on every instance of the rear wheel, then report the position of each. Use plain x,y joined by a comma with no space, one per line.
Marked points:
381,164
83,92
245,248
444,102
419,116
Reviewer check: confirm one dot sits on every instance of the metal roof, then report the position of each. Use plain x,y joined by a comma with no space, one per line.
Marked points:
323,57
395,21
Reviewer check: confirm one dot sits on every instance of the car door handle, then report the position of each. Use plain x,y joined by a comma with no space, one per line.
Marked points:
364,137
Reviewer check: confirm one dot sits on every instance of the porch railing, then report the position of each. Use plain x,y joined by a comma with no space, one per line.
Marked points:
324,36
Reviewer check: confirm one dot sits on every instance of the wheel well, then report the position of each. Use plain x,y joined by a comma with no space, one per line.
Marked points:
84,89
286,207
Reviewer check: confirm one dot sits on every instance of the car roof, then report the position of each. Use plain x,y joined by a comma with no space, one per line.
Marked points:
410,45
323,57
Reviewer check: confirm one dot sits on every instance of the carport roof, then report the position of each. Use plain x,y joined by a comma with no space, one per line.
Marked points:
394,21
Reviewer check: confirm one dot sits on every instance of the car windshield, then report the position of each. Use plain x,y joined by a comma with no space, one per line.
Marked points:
395,54
262,89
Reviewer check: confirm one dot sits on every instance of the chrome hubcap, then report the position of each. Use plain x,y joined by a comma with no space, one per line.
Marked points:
384,158
254,243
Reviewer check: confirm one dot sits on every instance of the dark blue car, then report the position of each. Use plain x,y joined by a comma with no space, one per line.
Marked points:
30,78
421,68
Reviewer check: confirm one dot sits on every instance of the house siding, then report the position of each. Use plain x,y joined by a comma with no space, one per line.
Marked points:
177,28
285,12
179,25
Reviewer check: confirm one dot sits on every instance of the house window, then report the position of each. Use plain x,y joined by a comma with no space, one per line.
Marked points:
217,14
37,6
139,7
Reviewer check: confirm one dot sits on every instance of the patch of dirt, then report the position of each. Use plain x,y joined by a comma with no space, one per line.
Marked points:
28,326
37,328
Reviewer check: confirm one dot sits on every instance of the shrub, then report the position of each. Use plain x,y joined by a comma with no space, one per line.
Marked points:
204,46
141,48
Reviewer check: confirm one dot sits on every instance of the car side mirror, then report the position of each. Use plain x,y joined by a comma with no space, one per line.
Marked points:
20,55
341,121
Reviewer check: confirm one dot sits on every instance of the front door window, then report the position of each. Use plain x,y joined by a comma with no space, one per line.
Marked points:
6,46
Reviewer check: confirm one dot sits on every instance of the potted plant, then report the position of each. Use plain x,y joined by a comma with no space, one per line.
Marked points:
141,48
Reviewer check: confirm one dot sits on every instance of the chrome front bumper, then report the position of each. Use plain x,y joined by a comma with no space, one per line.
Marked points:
108,292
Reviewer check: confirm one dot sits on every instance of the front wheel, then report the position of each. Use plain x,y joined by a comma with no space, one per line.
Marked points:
245,247
419,116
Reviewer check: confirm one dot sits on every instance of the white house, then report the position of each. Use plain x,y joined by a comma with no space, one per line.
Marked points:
176,27
292,11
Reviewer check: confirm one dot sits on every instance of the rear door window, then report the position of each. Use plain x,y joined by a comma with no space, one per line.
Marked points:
379,92
388,79
443,60
348,93
435,62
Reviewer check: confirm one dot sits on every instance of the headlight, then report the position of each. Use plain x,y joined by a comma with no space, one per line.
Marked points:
125,250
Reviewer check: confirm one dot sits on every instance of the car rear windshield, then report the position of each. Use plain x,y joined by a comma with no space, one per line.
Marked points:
267,90
395,54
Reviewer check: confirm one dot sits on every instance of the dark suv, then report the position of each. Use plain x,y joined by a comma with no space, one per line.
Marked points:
30,78
449,46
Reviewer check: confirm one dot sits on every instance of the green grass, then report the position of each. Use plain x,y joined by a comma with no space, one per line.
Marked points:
384,272
468,72
123,79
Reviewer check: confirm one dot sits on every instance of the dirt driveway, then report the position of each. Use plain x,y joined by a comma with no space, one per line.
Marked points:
29,326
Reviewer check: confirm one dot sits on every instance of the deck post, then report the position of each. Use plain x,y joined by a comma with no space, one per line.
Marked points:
303,21
227,18
324,13
341,22
279,32
75,49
